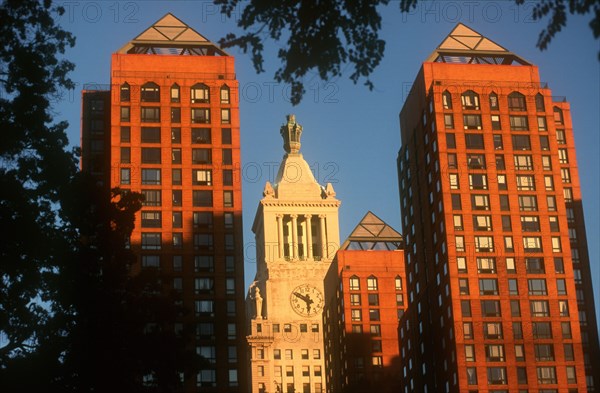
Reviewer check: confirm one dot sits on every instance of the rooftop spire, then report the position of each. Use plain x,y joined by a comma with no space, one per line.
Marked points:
291,133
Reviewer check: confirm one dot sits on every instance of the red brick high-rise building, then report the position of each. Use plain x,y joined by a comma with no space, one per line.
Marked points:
169,129
365,298
498,273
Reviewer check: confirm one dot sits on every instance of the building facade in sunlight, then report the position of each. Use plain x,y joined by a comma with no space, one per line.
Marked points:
170,130
365,298
498,271
297,234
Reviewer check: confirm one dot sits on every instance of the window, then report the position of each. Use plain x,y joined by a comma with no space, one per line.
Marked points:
150,92
225,94
521,142
498,145
461,263
470,100
469,353
177,220
465,306
488,286
201,136
563,308
447,100
517,330
544,143
200,94
496,125
568,194
175,115
202,177
558,116
492,330
125,155
125,92
453,179
560,137
374,315
525,183
151,219
539,103
541,330
496,375
476,161
398,283
506,223
490,308
355,299
565,175
471,375
551,202
458,223
151,241
571,375
456,202
569,352
472,122
478,182
486,265
175,93
510,264
494,353
200,115
493,101
480,202
463,286
125,177
203,241
468,330
549,183
150,155
227,219
202,198
226,136
176,196
527,203
563,156
372,283
176,156
354,283
150,176
150,114
450,141
125,113
482,223
504,203
556,244
541,122
484,244
227,157
523,162
225,116
227,198
516,102
203,284
513,288
206,378
530,224
125,134
201,156
150,134
561,287
474,141
539,308
151,198
537,286
532,243
448,121
203,263
546,375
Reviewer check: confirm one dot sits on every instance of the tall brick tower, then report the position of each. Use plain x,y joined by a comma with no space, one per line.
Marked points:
499,287
174,136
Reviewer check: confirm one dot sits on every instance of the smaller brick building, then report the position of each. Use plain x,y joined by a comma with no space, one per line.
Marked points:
365,298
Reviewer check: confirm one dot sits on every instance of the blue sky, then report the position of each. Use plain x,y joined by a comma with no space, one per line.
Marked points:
351,135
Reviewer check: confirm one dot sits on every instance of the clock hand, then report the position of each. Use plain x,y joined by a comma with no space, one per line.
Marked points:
306,299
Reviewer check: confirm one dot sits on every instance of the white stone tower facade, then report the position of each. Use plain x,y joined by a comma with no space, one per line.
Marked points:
297,235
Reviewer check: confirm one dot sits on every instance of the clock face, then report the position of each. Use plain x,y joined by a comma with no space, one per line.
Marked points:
306,300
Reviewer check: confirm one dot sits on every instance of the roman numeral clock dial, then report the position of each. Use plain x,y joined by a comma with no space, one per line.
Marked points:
306,300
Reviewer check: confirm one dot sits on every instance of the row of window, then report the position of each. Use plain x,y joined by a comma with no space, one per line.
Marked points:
200,198
484,223
199,93
479,181
290,328
537,308
488,265
539,331
536,286
208,378
522,162
527,203
289,354
203,219
152,114
372,283
201,241
200,177
516,101
486,244
153,135
496,352
545,375
474,122
206,307
519,142
152,155
204,285
289,386
202,263
373,299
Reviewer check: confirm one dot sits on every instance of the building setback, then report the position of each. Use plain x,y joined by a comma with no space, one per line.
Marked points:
297,235
365,298
498,273
169,129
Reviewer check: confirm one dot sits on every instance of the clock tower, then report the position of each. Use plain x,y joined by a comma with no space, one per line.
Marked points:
297,235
